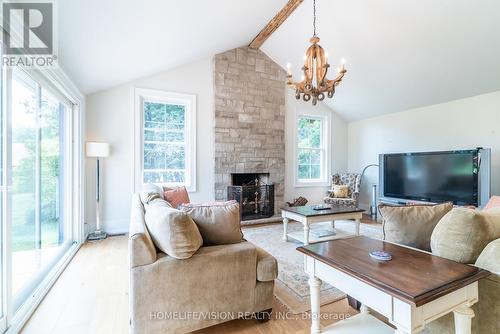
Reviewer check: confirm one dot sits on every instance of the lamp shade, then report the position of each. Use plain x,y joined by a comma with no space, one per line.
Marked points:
97,149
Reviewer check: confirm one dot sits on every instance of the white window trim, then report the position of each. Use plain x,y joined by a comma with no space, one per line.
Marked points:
326,141
189,101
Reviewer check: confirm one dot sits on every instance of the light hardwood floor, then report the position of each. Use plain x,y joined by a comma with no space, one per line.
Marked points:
91,296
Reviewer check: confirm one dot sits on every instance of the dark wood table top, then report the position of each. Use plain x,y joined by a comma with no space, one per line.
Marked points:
308,211
412,276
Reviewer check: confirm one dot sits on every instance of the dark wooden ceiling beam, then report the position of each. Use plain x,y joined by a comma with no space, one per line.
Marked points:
274,24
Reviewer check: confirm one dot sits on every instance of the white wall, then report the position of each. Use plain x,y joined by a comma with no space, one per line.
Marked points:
460,124
338,148
110,116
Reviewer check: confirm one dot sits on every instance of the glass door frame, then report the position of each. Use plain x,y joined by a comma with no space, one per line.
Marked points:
58,84
4,227
39,87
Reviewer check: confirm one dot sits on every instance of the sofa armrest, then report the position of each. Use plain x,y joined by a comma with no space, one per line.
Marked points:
141,249
489,258
267,266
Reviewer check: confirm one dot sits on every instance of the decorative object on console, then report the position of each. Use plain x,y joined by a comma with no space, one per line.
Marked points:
373,205
218,222
412,225
315,68
176,196
254,193
97,150
301,201
381,255
352,181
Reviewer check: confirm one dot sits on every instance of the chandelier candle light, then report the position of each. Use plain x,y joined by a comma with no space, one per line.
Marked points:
314,83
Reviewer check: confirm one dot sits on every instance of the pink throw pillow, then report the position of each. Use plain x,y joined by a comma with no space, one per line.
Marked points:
176,196
494,202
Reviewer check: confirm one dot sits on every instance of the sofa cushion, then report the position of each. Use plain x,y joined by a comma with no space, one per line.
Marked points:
218,222
267,266
412,225
172,231
462,234
150,192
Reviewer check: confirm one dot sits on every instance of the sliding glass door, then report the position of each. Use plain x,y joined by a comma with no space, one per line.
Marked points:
3,212
38,206
37,176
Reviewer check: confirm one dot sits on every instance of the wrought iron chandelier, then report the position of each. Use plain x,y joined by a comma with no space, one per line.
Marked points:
314,83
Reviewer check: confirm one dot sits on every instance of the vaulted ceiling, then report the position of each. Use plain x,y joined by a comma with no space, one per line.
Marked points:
103,43
400,54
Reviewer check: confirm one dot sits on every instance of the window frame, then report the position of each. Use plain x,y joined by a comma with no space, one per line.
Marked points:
159,96
325,162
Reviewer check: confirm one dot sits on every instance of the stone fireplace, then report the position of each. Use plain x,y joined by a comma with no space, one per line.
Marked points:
249,127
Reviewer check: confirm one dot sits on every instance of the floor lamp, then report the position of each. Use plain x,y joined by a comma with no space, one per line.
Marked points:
97,150
373,205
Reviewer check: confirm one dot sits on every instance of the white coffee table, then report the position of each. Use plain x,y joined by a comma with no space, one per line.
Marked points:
307,216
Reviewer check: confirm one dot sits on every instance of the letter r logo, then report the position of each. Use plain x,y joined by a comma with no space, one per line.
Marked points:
28,28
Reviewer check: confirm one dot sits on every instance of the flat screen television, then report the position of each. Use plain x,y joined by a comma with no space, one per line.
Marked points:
432,176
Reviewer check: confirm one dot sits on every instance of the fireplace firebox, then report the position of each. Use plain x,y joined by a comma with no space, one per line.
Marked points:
254,193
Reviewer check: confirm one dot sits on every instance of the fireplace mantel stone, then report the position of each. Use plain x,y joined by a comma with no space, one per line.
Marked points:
249,127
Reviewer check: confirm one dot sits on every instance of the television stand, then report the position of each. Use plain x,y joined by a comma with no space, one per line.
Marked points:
394,201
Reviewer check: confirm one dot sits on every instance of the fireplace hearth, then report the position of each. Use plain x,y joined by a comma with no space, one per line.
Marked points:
254,193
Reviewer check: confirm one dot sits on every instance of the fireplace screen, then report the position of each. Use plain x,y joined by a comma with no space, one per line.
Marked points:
254,194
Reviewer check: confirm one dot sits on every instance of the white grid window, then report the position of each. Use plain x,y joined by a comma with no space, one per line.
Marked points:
311,150
167,138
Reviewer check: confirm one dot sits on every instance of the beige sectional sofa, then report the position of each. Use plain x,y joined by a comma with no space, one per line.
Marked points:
461,235
216,284
487,309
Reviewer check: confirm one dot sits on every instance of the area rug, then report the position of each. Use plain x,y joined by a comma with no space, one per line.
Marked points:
291,287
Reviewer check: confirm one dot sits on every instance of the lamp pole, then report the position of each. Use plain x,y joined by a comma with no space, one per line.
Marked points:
373,205
97,150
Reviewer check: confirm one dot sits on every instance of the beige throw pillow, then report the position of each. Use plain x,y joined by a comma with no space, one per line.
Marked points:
150,192
463,234
172,231
218,222
412,225
340,191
